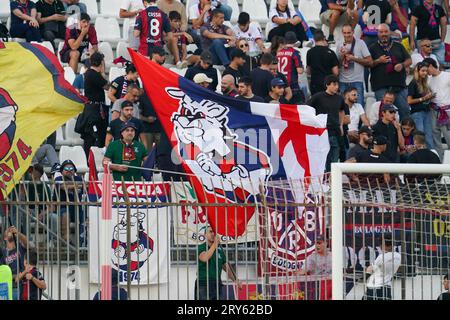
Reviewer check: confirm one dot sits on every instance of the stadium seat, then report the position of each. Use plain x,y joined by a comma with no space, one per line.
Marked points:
268,28
115,72
72,137
122,50
219,81
180,72
310,9
110,8
98,156
228,24
46,44
4,9
126,29
77,155
447,35
60,141
446,159
92,8
106,49
69,75
235,6
257,10
188,5
273,3
107,29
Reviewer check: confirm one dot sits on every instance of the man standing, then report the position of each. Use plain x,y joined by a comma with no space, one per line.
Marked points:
353,56
422,153
228,87
318,263
276,94
132,95
388,69
429,17
424,51
245,90
126,152
321,61
214,37
51,16
290,65
129,9
151,26
126,115
387,126
379,285
373,112
439,84
262,76
339,11
236,64
332,104
205,65
211,261
357,113
76,43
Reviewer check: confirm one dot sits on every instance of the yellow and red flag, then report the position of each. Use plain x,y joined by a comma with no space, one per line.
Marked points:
35,100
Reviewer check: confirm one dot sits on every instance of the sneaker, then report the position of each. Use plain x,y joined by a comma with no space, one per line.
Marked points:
330,39
179,65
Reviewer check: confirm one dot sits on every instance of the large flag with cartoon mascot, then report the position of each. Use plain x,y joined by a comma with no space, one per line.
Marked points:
230,148
35,100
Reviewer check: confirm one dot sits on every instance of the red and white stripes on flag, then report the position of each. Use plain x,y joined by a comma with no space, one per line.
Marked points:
105,236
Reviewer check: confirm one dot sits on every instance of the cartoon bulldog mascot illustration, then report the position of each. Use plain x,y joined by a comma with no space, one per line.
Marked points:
8,109
141,243
225,166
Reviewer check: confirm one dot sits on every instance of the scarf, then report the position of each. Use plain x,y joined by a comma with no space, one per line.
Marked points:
387,51
443,118
128,151
345,62
431,9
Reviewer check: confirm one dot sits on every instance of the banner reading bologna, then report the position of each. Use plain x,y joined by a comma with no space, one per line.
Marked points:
35,100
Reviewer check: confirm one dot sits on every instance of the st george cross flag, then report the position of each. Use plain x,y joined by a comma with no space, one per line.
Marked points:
35,100
230,147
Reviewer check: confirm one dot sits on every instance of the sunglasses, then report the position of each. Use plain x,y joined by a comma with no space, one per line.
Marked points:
426,45
392,111
243,45
69,169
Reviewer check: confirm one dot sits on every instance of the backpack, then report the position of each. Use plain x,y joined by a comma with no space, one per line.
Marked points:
4,33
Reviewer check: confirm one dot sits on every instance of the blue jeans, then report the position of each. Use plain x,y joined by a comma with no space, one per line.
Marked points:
423,123
226,10
440,54
333,154
219,52
400,102
24,30
359,87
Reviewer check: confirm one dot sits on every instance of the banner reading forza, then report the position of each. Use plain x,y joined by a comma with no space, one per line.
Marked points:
190,221
149,225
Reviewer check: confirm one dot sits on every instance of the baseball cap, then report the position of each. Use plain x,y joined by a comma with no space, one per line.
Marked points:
290,37
201,77
365,129
388,107
126,103
277,82
126,125
206,57
158,50
380,141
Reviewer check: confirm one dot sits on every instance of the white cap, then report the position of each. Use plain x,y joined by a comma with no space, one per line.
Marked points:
201,77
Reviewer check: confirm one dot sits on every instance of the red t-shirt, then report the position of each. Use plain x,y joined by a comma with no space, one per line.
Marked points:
90,37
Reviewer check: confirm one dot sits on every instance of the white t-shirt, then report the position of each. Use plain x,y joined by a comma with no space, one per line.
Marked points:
194,11
132,5
373,111
384,268
355,115
251,35
417,57
274,13
441,86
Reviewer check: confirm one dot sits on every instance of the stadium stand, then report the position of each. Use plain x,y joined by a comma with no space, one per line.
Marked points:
257,10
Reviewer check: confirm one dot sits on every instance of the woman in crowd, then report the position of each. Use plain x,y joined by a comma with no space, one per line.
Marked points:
284,18
250,62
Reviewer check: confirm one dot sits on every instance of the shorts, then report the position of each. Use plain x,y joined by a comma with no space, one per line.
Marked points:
325,17
65,57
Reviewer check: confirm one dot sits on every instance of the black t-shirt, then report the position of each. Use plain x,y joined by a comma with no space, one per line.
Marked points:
210,72
356,151
384,75
413,91
370,157
389,131
330,105
444,296
250,64
282,100
255,98
321,60
93,86
147,110
261,81
385,7
48,10
115,126
424,156
424,29
237,74
121,86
